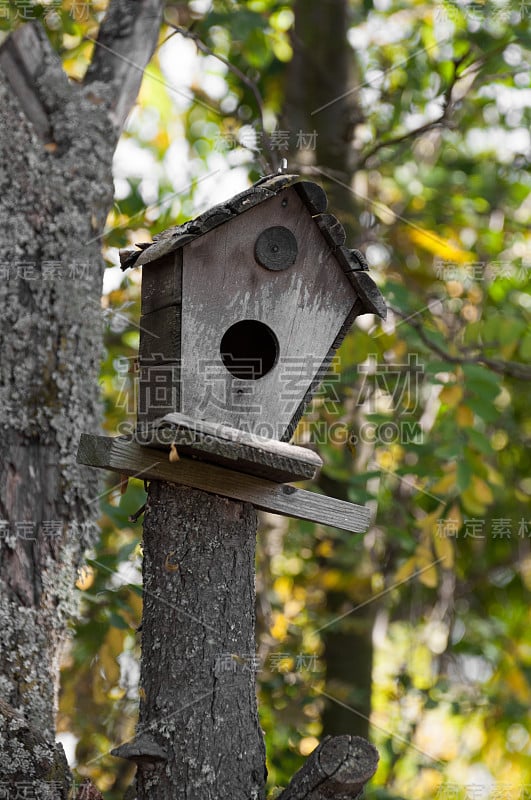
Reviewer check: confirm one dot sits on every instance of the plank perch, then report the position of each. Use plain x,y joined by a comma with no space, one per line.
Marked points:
336,770
129,458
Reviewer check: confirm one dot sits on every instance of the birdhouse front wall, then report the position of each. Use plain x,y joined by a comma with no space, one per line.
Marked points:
253,337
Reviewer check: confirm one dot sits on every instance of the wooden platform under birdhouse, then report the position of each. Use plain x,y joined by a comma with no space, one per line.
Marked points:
230,447
129,458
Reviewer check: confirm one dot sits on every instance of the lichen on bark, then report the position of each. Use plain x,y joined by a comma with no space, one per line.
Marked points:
55,194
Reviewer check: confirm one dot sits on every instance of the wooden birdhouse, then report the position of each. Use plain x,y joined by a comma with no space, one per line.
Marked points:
244,307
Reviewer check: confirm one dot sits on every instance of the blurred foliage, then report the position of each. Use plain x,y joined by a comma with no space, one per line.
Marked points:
427,421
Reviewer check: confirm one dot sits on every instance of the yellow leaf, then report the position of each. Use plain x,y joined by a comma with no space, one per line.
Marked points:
444,548
332,579
464,416
283,586
440,247
451,395
471,502
494,476
424,555
482,490
405,570
279,627
307,745
429,577
385,459
445,484
324,548
427,522
517,682
455,517
85,578
109,663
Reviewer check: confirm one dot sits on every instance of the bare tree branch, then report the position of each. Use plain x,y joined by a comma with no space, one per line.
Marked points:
199,43
428,126
512,369
126,41
21,59
467,77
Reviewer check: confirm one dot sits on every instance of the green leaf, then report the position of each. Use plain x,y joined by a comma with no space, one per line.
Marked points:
479,374
464,474
479,441
525,347
483,409
119,622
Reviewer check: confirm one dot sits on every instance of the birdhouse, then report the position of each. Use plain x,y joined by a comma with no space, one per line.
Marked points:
244,307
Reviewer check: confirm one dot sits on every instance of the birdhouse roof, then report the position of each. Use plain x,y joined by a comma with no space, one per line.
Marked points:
352,262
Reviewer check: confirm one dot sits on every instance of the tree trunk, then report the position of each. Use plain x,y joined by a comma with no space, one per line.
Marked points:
198,734
349,677
320,98
56,145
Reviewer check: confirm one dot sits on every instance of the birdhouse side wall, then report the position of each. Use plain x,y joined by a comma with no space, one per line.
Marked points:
159,381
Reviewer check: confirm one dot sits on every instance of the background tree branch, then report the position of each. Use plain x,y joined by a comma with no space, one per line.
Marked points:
512,369
125,44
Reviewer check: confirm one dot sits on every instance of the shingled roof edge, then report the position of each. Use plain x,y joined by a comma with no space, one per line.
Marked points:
174,238
351,261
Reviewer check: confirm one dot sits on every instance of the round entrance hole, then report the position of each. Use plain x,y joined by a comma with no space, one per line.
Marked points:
249,349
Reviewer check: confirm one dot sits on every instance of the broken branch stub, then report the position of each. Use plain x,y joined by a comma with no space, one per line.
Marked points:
338,769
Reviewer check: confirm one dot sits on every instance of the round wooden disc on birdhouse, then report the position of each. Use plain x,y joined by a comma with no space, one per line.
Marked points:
276,248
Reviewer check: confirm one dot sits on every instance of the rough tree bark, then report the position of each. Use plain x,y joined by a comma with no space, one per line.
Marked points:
339,768
320,98
198,735
56,145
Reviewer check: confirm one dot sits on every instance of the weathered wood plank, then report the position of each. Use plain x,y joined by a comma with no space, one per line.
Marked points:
162,247
351,260
274,183
332,229
314,196
230,447
159,390
162,283
130,458
160,335
369,294
320,375
213,217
